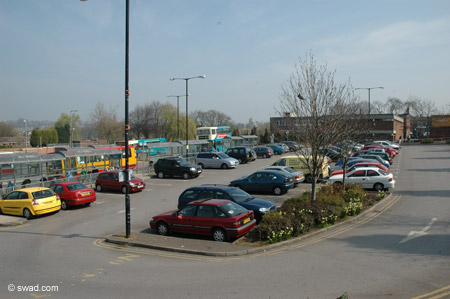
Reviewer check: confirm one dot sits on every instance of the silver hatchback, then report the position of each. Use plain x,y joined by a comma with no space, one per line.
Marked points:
215,160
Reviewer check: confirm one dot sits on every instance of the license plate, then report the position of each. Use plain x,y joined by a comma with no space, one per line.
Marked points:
246,220
85,193
141,186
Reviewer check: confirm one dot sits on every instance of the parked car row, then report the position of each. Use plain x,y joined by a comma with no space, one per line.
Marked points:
33,201
209,209
368,166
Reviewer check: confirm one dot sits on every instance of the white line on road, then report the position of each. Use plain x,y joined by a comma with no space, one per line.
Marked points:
123,211
416,234
99,202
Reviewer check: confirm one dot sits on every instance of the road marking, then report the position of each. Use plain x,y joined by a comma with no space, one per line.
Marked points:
428,295
123,211
416,234
99,202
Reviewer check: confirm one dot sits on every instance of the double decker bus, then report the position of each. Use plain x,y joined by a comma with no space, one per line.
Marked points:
219,138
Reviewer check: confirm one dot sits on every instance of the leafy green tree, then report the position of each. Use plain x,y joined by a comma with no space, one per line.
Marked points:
7,130
35,137
49,136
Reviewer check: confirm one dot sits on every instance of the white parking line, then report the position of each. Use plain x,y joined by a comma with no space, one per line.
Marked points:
99,202
123,211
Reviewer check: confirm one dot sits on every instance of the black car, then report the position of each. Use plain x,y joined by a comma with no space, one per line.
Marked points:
257,205
241,153
263,151
171,166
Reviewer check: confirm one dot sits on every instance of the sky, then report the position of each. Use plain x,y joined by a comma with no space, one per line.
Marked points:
57,56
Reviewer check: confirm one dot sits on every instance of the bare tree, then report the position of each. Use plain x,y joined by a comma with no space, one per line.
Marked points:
394,105
320,109
106,124
378,107
210,118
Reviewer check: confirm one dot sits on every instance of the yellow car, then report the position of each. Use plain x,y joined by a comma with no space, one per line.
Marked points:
29,202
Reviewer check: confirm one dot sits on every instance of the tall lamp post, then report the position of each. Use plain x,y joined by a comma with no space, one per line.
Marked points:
71,128
26,135
127,123
187,118
368,114
369,89
178,114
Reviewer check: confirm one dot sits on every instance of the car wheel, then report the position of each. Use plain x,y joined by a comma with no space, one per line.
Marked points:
63,204
277,191
219,235
87,204
1,211
264,156
124,189
224,166
308,179
99,188
27,214
378,187
186,175
201,165
162,228
161,175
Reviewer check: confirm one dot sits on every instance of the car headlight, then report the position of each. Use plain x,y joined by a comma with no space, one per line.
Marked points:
193,169
264,210
132,184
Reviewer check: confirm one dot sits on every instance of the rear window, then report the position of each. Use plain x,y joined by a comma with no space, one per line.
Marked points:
43,194
76,186
233,209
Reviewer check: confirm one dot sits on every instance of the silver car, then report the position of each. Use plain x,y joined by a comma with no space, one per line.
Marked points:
215,160
369,177
298,176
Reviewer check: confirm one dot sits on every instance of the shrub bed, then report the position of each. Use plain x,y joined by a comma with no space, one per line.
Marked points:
299,215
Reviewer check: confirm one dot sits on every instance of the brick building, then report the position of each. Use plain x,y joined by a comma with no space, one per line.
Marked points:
374,126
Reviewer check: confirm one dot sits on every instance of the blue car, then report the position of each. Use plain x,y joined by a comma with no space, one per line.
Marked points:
268,181
259,206
277,150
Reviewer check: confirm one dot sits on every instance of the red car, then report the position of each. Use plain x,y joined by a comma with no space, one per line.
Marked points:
113,180
219,218
361,164
74,194
392,153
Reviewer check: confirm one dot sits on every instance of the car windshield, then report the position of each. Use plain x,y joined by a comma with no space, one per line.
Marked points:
183,162
383,172
76,186
240,196
223,155
233,209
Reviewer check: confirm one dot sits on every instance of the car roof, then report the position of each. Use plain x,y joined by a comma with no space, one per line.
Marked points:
32,189
367,168
67,183
209,202
212,186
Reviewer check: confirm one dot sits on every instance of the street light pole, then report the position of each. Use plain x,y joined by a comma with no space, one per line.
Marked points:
368,114
178,115
187,118
127,125
369,89
26,135
71,129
